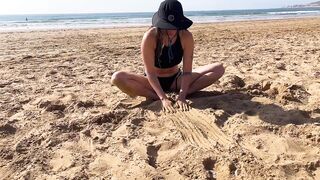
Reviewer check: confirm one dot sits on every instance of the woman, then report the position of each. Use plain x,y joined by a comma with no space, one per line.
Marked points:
164,46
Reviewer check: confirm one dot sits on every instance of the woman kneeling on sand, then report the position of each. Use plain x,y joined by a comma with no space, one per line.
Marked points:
163,47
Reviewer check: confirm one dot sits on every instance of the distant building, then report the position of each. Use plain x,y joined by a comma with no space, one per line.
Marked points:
310,5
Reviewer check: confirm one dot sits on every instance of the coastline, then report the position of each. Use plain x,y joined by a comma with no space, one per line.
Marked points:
143,25
61,117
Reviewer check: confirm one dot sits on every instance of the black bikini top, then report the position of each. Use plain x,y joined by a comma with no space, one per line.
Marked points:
168,56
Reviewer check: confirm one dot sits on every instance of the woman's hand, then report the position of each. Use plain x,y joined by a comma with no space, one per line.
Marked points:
183,104
167,106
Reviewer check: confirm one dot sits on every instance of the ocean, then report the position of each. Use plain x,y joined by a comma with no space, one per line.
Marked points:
111,20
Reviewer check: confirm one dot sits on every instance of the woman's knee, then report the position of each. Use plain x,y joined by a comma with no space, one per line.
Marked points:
118,77
218,69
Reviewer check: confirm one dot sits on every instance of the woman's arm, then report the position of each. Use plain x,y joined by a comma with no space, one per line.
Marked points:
188,48
148,46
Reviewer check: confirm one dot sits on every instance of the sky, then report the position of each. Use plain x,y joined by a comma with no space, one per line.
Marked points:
108,6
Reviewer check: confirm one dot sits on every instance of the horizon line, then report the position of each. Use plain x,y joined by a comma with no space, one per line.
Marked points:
122,12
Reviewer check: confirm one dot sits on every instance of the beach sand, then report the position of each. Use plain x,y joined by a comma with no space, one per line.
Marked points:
60,117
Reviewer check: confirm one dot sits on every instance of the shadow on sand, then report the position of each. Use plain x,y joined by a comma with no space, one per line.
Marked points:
236,102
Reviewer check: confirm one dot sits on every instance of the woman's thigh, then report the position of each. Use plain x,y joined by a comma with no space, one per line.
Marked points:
124,76
199,72
143,80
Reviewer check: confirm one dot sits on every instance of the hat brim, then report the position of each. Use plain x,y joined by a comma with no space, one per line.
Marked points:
184,23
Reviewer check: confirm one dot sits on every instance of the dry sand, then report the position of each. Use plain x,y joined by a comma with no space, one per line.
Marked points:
60,118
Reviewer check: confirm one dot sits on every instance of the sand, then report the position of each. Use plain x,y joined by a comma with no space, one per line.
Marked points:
60,117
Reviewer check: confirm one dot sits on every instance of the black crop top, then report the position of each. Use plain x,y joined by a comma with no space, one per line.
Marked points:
162,58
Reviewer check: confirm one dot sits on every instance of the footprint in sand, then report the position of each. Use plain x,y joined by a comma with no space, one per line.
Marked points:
152,152
209,165
7,129
316,74
198,129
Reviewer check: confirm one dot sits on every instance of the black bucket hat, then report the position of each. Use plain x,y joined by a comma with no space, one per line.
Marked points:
170,16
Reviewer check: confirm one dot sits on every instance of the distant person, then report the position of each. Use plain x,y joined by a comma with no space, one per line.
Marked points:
26,19
164,46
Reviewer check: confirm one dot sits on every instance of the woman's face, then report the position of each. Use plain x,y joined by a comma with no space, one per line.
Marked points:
171,33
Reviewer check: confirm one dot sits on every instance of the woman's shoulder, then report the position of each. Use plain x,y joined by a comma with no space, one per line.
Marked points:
150,38
151,33
185,34
186,38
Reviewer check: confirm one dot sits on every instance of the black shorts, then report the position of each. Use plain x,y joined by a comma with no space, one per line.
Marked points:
166,82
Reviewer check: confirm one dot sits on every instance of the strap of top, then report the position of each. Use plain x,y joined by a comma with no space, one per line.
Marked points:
159,43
